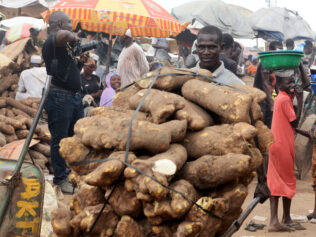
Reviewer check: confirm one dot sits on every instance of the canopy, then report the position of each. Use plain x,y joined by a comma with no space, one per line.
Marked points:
17,32
25,3
280,23
143,17
217,13
19,20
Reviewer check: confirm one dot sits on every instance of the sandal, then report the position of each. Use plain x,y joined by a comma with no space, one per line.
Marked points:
296,226
311,216
280,229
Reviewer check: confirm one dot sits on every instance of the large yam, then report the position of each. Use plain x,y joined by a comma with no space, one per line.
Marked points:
72,150
117,112
257,94
128,227
105,226
197,117
220,140
6,128
265,136
100,132
109,171
124,202
18,105
161,105
173,207
198,222
210,171
61,222
171,79
161,166
86,195
230,104
121,99
178,129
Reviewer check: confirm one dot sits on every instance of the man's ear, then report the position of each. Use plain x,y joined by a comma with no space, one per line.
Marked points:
222,46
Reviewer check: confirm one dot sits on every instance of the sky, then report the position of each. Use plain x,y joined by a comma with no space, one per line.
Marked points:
305,8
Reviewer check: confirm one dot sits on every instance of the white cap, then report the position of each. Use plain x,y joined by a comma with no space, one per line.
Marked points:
36,59
94,56
128,33
284,73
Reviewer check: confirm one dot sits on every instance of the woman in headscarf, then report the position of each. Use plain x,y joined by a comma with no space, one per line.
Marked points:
113,82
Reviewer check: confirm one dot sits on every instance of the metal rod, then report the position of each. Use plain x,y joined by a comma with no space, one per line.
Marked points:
16,173
108,59
237,223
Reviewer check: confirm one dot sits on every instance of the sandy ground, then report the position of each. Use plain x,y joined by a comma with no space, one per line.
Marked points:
302,202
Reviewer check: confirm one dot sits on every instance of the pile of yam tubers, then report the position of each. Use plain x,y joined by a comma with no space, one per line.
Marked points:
191,135
16,116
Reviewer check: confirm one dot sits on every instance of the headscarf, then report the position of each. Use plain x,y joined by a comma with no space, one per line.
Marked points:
108,93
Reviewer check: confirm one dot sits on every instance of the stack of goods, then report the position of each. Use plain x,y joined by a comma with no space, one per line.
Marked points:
193,150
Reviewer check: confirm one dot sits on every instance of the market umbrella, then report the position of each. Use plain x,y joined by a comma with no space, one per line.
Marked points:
280,23
142,17
19,31
114,17
217,13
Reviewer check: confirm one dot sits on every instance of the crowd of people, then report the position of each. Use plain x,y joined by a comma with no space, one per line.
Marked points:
75,85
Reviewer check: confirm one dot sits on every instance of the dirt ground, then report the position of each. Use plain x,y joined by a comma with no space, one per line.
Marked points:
302,202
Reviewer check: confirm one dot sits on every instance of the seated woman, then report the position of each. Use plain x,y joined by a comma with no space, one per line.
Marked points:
113,83
91,84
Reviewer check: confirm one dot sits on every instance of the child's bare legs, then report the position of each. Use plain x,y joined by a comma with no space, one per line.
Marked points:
313,214
286,211
274,220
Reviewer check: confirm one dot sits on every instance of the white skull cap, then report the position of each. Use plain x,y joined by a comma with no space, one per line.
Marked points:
128,33
36,59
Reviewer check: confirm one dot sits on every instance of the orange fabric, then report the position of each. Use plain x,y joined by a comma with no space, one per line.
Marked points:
280,177
314,166
252,69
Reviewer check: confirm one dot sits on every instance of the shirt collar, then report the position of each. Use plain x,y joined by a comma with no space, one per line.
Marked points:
218,71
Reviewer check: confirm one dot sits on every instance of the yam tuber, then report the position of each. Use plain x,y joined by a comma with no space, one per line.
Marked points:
161,105
265,136
100,132
127,227
197,117
3,140
231,105
173,207
198,222
220,140
6,128
121,98
61,222
124,202
211,171
161,166
17,124
18,105
86,195
108,172
105,226
116,112
42,148
21,134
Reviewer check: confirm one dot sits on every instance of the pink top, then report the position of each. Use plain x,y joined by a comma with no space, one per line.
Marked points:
280,177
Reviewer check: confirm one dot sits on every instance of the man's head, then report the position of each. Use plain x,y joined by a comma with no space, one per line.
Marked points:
126,39
36,61
274,45
89,66
228,42
59,20
285,80
289,43
236,51
209,46
308,48
255,61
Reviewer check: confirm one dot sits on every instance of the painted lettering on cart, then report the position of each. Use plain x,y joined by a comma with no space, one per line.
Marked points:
28,217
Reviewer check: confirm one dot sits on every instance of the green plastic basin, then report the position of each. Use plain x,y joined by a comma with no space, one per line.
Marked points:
276,60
